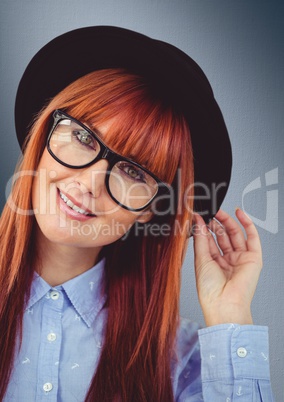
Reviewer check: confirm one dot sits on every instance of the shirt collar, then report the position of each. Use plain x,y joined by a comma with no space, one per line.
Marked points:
85,292
39,289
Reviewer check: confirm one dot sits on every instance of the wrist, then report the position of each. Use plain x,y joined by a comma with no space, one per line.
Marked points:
230,314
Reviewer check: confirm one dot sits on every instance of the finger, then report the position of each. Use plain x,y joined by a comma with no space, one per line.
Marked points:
217,253
253,240
200,236
222,237
214,248
233,231
205,248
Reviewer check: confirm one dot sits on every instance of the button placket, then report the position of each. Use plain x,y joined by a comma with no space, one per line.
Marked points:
50,344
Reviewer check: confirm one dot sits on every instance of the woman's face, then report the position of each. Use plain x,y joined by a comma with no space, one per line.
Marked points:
73,207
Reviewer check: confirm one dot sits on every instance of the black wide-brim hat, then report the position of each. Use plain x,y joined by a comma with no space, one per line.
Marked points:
173,73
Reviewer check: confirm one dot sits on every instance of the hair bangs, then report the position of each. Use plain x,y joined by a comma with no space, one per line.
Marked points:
152,138
139,125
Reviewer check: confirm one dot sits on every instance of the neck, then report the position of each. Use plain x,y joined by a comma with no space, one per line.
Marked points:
58,263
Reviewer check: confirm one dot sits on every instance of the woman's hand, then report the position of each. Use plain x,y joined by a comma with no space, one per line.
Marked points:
226,281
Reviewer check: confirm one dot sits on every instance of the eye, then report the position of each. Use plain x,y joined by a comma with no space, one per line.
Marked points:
132,171
83,137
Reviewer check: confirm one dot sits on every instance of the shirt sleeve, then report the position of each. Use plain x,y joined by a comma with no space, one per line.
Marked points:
235,363
228,363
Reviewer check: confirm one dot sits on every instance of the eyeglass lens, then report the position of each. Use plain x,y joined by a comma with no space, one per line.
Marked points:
128,184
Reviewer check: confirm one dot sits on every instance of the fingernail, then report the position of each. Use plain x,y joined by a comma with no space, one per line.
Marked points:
243,213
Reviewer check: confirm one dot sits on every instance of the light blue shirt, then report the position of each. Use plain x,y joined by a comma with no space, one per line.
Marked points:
63,332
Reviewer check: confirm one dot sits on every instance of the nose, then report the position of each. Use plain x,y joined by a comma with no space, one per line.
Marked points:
92,178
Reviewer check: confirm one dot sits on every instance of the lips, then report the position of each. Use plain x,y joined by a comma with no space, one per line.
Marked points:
73,207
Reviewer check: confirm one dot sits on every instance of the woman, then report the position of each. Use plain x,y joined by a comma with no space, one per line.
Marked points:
127,135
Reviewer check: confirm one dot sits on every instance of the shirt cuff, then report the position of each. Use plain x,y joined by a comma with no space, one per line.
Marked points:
234,351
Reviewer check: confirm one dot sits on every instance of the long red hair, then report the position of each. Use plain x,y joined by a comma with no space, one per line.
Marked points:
142,270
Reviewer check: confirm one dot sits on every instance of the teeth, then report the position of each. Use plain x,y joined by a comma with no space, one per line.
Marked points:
64,198
77,209
71,205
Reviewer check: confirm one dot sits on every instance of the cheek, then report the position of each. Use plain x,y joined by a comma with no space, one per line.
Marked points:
109,227
42,202
125,217
37,193
43,194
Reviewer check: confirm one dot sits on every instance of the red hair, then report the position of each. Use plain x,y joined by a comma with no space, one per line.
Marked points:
143,289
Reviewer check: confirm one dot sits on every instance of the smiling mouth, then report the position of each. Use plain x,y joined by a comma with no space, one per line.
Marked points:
71,205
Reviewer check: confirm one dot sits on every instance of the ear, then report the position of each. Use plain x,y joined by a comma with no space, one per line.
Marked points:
145,216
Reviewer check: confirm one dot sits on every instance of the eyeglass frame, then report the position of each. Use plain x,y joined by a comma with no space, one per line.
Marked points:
105,153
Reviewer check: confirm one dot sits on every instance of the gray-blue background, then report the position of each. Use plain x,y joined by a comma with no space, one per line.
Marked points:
239,44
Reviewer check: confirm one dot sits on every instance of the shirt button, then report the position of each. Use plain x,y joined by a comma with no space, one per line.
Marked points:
54,295
242,352
47,386
51,337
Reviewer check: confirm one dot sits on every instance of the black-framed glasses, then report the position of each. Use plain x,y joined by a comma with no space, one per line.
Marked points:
76,146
